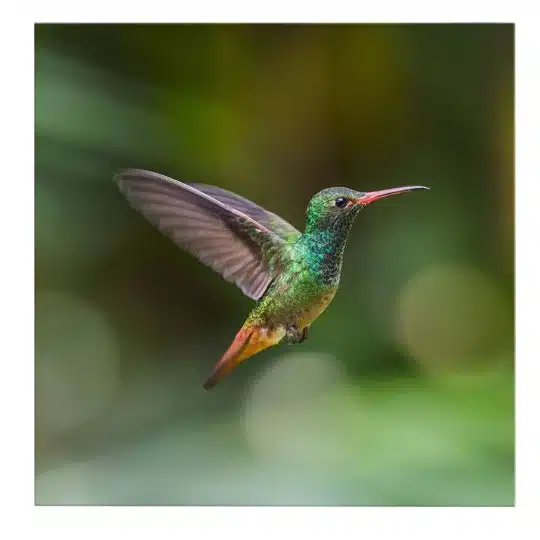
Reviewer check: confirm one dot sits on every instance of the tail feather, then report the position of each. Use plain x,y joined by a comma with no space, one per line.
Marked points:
248,341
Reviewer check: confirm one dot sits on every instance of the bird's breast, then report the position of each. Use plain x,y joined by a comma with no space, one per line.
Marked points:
312,309
296,299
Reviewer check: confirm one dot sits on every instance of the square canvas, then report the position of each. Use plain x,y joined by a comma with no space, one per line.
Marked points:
402,391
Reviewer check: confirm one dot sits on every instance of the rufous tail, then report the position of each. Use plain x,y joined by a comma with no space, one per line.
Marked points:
248,341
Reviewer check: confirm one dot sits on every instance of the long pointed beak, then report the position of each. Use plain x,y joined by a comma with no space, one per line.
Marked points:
371,196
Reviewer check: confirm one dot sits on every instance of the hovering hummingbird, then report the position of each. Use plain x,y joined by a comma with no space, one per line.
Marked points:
293,276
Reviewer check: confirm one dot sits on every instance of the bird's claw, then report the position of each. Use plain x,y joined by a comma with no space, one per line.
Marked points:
296,336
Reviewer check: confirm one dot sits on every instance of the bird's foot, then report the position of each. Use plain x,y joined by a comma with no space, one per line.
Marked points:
296,336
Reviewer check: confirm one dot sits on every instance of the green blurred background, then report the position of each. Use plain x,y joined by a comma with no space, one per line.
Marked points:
403,393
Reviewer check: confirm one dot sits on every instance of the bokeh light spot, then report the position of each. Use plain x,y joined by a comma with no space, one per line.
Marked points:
287,412
453,317
76,362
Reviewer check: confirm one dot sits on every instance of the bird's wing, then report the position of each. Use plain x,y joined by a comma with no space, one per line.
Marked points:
264,217
230,241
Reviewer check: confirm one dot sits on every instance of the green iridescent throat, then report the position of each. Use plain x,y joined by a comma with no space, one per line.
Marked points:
323,243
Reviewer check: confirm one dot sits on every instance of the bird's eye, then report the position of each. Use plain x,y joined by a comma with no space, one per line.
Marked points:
341,202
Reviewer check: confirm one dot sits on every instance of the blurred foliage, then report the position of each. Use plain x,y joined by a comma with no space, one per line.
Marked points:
403,394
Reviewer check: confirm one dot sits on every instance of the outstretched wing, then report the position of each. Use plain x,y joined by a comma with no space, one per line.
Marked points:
264,217
229,240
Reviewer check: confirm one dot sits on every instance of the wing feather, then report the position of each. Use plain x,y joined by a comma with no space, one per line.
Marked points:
268,219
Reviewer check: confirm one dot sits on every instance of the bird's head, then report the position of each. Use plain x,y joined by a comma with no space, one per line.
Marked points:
332,207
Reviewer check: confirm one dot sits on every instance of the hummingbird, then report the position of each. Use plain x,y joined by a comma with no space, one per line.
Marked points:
292,276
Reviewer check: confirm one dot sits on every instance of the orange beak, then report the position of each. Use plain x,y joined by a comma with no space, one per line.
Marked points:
371,196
